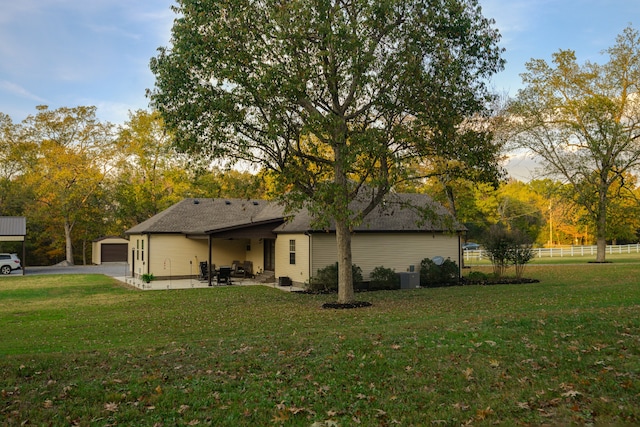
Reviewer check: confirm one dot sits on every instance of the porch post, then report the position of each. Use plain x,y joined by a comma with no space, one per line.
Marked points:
209,262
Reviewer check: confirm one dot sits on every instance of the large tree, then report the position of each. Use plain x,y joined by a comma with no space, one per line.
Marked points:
583,122
331,96
72,153
150,175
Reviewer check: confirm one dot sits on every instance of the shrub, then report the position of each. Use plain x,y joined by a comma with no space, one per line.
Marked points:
498,243
477,276
433,275
326,279
384,278
520,256
507,248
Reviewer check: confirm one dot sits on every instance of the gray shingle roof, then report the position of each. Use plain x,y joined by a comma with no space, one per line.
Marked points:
13,226
400,212
198,216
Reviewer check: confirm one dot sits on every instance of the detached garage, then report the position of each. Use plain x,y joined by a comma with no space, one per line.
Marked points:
109,249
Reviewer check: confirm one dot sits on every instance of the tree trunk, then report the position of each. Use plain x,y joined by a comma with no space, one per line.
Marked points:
601,227
345,273
601,237
68,245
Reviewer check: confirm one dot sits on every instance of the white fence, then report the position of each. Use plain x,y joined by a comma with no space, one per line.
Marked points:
559,252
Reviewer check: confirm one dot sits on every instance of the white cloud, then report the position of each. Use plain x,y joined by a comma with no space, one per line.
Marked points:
17,90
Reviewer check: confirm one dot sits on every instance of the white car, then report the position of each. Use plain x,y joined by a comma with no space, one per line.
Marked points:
8,263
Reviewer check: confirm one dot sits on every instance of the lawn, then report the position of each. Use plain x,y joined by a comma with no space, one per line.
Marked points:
84,350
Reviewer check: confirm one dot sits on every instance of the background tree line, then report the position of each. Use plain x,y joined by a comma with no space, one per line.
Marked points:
77,179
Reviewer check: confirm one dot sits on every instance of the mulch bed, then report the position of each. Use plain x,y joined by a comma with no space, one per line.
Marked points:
355,304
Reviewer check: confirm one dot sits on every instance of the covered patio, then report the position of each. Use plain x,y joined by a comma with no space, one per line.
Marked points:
258,240
194,283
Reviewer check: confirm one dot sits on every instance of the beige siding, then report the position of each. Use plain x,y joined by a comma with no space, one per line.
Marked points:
298,272
225,251
391,250
180,256
255,254
175,255
11,238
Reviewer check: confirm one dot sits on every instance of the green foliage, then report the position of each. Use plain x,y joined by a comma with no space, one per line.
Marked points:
520,256
433,275
478,276
506,248
384,278
326,279
497,243
147,277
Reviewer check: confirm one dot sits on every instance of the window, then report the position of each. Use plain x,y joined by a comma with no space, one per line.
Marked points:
292,251
140,249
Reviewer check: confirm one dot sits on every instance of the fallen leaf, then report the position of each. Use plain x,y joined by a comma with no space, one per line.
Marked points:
571,393
111,407
281,417
482,414
468,374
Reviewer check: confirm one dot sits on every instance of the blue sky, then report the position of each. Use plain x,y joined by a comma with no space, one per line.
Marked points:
65,53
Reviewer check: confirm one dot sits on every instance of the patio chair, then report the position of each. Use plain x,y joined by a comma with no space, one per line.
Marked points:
224,275
237,269
204,271
248,269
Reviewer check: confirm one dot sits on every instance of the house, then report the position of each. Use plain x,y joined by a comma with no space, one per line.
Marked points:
398,234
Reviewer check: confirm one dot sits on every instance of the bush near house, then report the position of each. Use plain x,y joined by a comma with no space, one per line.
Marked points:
433,275
384,279
326,279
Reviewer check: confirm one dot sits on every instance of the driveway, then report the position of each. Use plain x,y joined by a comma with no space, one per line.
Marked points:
113,269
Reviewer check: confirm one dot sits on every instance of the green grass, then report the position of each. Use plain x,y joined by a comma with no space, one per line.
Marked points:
83,350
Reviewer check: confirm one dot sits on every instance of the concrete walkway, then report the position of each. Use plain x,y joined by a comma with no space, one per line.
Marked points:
159,285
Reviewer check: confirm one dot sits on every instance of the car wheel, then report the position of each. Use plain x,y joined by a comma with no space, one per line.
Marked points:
5,269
